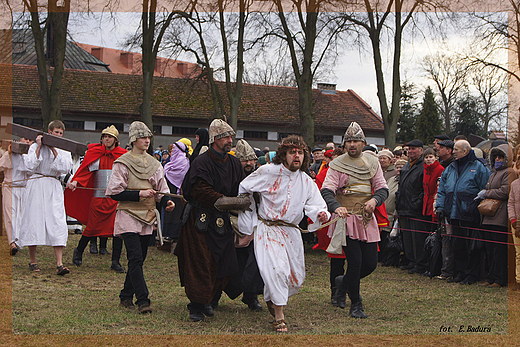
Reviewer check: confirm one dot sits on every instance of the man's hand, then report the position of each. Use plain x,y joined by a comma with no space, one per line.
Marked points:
170,206
148,193
72,185
370,205
342,212
322,216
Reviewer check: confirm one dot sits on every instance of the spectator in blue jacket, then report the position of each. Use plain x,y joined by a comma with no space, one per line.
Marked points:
460,183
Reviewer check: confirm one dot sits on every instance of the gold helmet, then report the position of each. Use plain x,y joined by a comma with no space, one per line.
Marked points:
112,131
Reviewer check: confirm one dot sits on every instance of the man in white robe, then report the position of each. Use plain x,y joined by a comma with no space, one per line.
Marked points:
286,193
43,217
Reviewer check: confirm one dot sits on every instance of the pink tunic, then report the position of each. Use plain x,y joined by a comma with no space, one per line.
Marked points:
334,181
124,222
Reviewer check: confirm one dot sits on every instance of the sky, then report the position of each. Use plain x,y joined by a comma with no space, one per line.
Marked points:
352,70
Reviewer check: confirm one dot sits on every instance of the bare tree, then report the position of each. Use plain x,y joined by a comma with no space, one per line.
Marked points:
50,61
152,34
217,38
374,18
309,34
449,73
491,85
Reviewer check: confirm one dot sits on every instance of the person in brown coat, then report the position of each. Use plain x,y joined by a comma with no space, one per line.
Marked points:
497,188
513,207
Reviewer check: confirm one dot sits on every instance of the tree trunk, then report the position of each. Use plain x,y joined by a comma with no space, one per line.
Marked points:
57,21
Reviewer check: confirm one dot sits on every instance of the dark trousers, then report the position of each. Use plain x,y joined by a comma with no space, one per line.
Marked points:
337,268
135,284
413,242
465,263
361,262
117,245
496,253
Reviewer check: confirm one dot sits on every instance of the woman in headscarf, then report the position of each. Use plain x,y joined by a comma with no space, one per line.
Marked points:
202,137
175,170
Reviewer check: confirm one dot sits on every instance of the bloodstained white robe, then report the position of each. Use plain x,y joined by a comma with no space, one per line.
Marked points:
43,217
285,196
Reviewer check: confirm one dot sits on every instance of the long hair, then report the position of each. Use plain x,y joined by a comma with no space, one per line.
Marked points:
292,141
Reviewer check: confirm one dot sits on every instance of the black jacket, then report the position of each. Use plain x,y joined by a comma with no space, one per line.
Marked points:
410,194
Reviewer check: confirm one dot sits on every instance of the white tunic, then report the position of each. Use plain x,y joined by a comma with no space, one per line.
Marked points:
43,217
285,196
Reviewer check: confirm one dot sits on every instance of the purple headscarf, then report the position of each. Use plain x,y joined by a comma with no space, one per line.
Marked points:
176,168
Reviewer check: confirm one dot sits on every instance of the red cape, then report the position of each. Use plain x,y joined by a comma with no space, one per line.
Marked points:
77,203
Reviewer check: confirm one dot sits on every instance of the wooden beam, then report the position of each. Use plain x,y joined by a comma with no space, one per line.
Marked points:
16,147
48,139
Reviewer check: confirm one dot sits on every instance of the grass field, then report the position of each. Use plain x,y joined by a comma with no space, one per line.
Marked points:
400,307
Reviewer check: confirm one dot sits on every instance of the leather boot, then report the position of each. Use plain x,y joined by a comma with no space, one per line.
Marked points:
196,314
341,292
356,310
208,310
77,257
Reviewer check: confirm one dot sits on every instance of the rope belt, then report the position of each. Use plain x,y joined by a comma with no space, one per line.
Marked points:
285,224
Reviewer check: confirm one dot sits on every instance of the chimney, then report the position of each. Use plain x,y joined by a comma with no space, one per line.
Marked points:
327,88
159,66
127,59
183,68
97,52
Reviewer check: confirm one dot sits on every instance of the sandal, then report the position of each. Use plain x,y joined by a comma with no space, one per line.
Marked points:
62,270
279,326
14,250
34,267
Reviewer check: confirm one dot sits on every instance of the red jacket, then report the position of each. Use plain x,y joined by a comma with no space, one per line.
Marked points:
431,174
97,213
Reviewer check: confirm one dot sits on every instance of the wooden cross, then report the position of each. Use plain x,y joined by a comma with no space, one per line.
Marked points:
48,139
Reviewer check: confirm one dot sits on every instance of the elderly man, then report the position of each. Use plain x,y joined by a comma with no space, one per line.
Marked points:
437,139
206,250
385,160
136,182
445,152
354,186
285,194
409,206
460,183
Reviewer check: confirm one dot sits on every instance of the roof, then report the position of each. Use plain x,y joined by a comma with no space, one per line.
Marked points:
75,58
102,93
128,62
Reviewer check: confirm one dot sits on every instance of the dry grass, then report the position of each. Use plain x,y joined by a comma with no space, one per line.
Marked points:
83,308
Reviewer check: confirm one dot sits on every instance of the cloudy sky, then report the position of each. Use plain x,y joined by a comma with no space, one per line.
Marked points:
352,71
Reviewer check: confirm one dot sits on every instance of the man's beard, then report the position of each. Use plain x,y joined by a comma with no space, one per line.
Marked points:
248,168
295,166
226,148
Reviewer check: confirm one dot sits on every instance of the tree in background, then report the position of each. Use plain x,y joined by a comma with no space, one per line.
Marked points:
50,60
428,122
468,118
450,74
408,113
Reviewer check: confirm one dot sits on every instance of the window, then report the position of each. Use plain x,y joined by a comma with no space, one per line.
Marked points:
74,124
248,134
29,122
157,129
184,131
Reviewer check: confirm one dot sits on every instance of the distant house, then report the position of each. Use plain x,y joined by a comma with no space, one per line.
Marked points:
93,100
130,63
